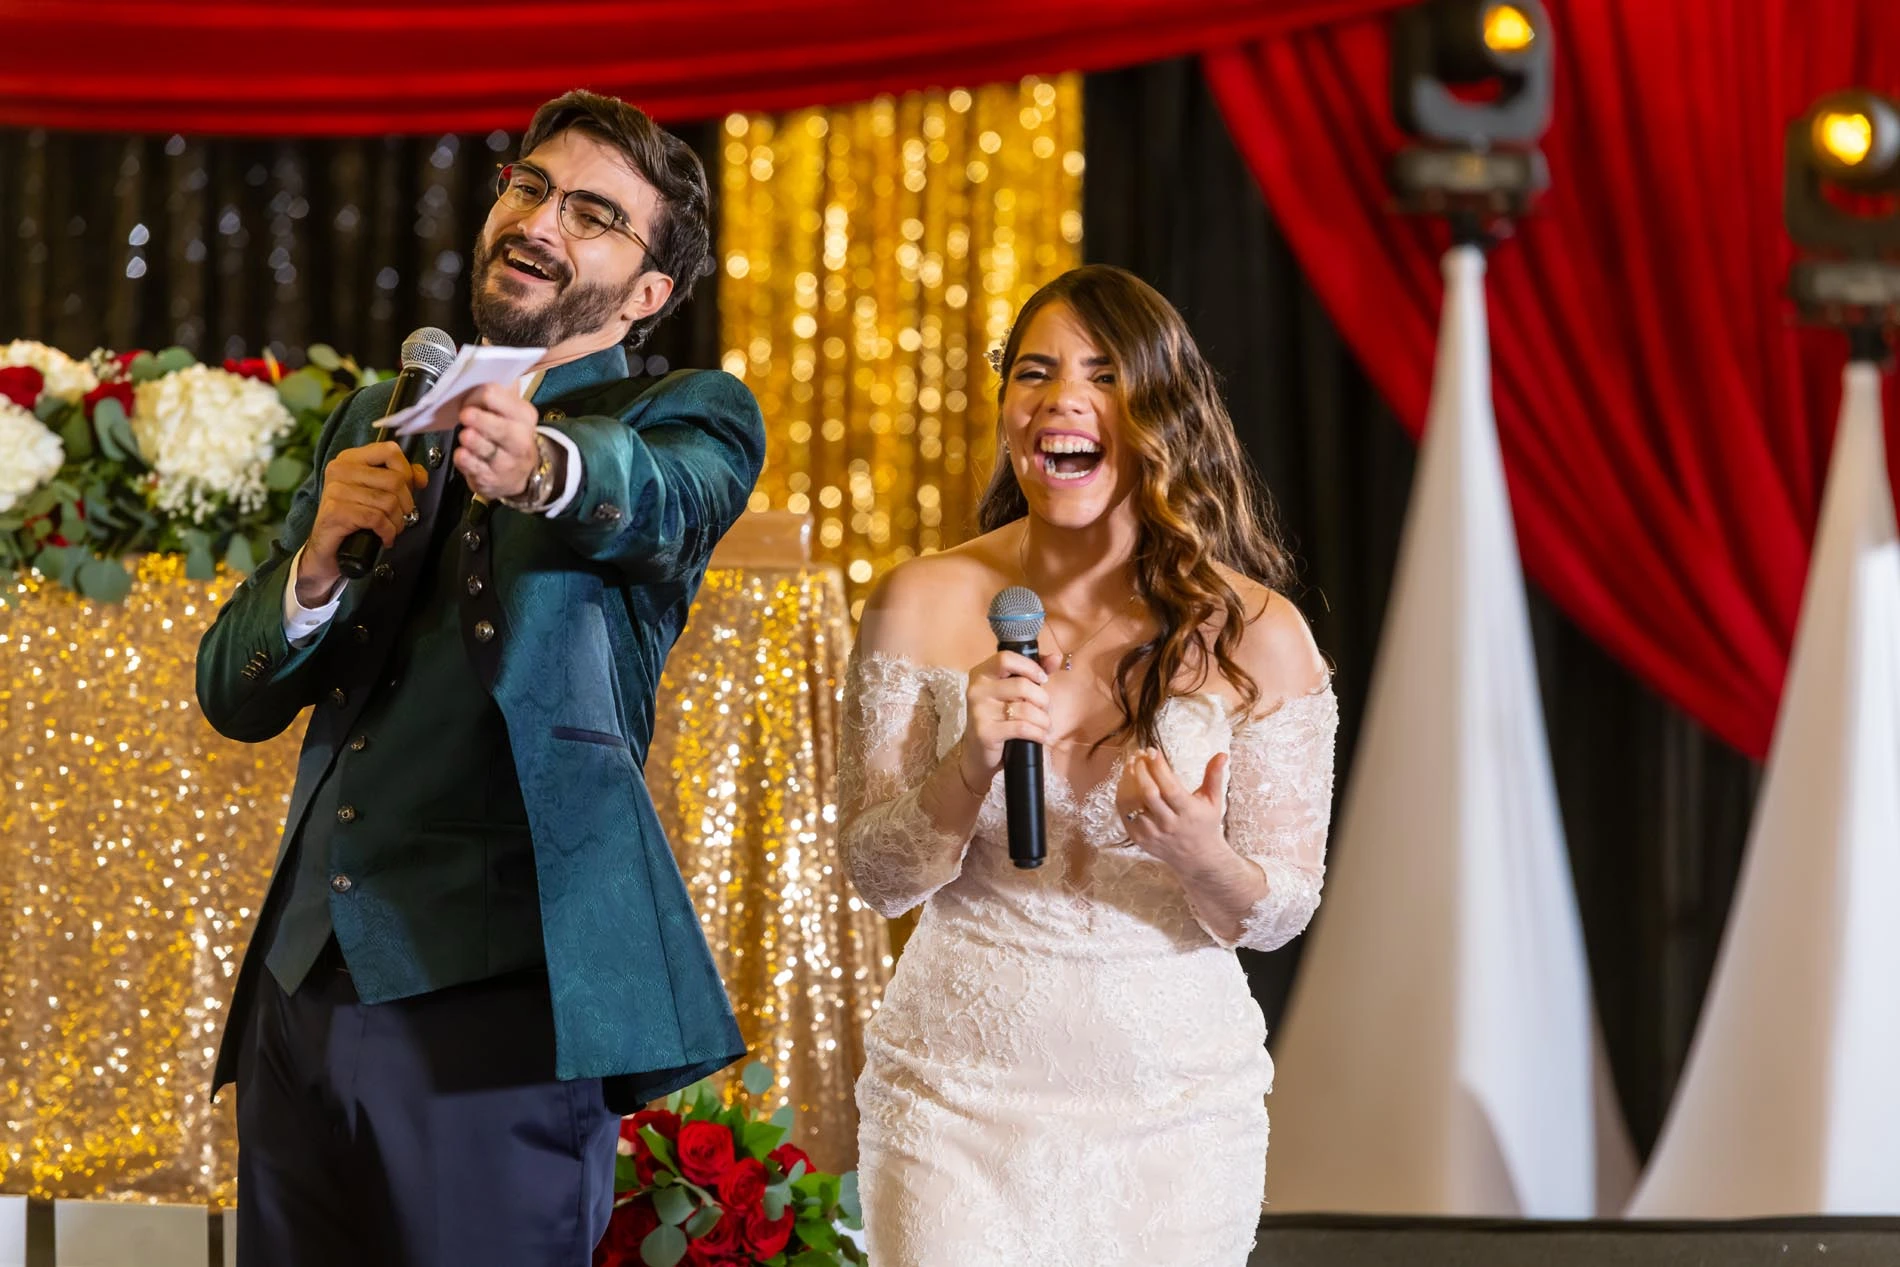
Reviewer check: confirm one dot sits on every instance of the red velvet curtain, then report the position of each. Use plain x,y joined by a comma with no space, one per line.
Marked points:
1665,427
353,67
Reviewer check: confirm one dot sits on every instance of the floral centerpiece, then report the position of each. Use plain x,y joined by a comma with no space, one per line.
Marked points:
713,1185
133,452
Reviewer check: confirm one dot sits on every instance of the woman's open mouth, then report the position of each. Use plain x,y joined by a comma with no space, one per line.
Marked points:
1068,458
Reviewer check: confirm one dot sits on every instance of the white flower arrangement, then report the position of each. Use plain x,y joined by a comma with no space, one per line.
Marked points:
30,454
209,436
64,376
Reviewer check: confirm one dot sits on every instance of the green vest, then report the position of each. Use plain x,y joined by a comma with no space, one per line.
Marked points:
415,851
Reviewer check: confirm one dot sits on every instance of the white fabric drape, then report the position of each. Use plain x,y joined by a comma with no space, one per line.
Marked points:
1437,1054
1790,1102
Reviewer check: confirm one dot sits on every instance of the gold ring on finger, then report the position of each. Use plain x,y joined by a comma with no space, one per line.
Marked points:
1133,814
1009,710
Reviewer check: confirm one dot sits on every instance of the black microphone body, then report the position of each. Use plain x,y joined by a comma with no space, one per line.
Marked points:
357,555
1022,787
426,355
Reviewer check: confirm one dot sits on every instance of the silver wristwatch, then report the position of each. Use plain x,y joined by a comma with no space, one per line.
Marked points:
541,490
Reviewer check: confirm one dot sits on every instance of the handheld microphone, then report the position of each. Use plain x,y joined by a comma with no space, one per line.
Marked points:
1016,619
425,355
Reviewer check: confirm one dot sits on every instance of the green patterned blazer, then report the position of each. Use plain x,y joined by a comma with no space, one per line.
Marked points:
580,611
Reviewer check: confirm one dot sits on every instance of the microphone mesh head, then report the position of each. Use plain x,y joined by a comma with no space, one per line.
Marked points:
1016,614
429,349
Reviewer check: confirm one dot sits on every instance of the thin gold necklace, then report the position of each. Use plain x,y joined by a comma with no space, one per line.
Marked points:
1068,657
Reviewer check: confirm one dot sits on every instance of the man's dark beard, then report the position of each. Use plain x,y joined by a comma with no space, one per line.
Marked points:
506,321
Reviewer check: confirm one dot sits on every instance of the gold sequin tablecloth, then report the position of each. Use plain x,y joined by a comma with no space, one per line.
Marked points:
135,844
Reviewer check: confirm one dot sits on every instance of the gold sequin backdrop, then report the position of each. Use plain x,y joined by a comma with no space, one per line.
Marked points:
873,255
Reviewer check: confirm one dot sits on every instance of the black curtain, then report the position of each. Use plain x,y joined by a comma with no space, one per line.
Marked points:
228,246
1654,809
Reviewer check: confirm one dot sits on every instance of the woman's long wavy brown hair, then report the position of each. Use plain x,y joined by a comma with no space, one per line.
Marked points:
1198,499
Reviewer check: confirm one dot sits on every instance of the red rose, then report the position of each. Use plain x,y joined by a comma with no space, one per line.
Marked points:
254,367
742,1187
665,1124
766,1237
722,1244
789,1155
120,391
705,1150
21,384
626,1230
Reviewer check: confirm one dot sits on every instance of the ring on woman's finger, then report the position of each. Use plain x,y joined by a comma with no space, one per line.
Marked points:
1133,814
1009,710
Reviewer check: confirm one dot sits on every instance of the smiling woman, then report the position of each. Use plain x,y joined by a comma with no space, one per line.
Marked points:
1044,1026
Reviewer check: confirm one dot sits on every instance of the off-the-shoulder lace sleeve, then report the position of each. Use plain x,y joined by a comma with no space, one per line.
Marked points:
893,852
1279,806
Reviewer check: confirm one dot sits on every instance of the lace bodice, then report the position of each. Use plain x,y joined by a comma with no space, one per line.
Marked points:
902,718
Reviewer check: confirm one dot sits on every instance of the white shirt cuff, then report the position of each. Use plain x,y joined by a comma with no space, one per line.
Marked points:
302,623
573,485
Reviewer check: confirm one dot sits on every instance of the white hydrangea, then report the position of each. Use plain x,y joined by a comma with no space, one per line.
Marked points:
208,435
64,376
30,454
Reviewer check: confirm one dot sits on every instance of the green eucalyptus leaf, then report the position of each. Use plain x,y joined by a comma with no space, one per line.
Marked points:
657,1145
323,356
51,561
175,358
757,1077
848,1195
104,580
120,429
777,1197
703,1222
109,444
814,1258
663,1247
237,555
673,1205
76,438
760,1138
145,368
301,392
816,1233
199,565
48,408
107,410
285,473
261,543
786,1117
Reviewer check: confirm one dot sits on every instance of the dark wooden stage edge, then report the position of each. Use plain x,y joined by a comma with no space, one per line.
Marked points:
1353,1241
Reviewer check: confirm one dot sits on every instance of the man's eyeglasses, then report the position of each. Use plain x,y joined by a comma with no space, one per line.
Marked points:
581,214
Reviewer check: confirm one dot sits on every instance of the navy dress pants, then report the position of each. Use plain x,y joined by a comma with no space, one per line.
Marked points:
422,1132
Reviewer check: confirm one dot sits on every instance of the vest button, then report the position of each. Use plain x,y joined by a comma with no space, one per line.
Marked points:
346,814
341,884
553,415
483,631
384,572
474,585
360,633
435,456
339,697
359,743
472,539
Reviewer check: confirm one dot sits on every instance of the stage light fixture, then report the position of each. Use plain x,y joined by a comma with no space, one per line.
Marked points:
1478,154
1846,145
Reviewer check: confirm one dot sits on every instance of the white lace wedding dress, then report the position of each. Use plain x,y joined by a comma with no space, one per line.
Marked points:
1068,1068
